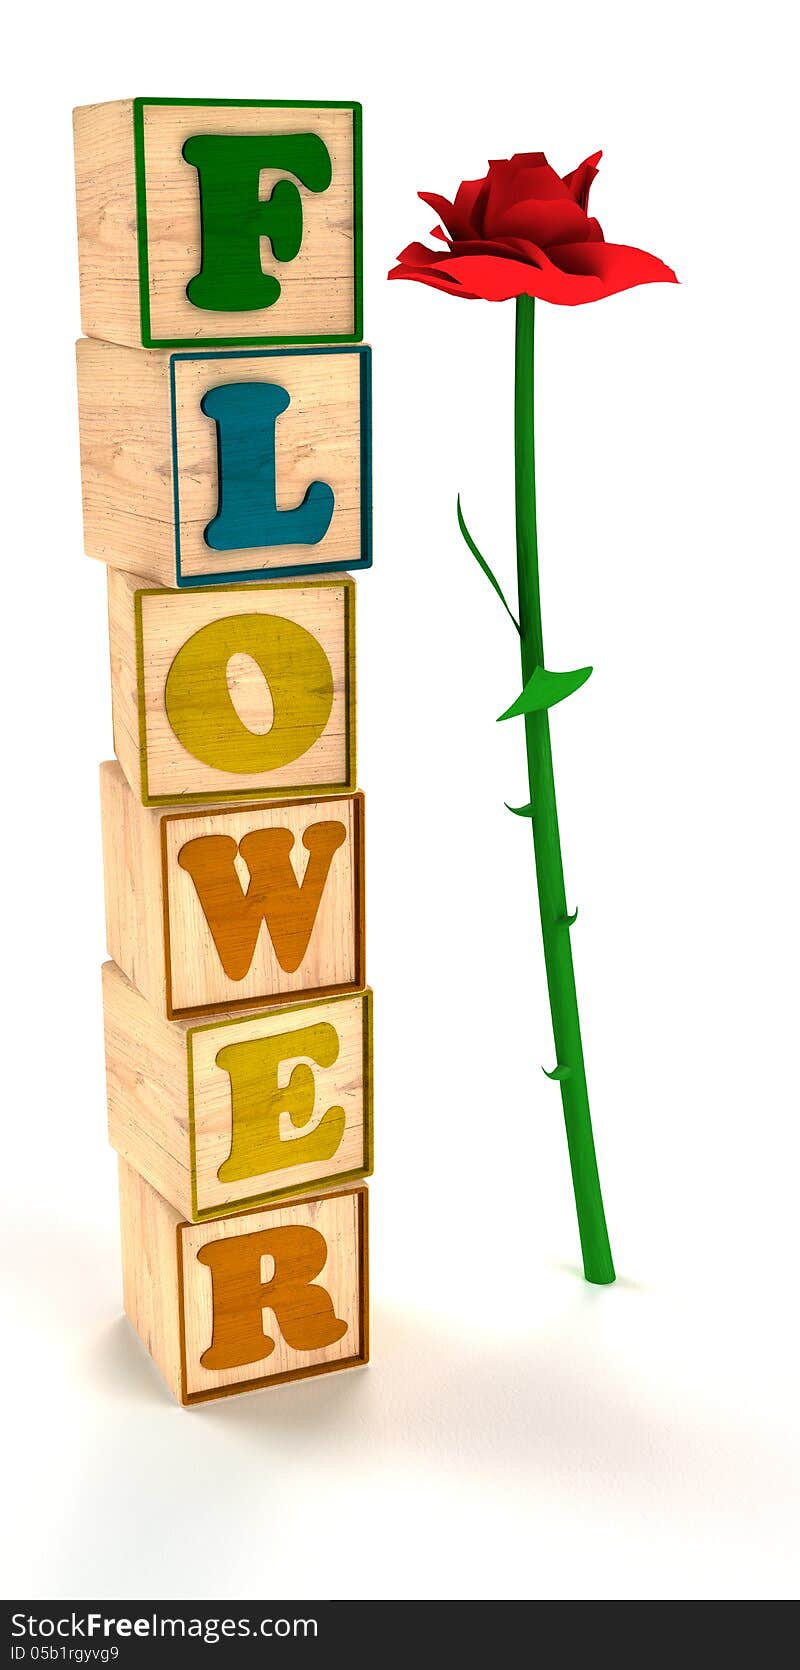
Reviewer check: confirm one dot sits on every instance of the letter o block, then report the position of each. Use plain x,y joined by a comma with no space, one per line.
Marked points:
234,692
228,222
244,1302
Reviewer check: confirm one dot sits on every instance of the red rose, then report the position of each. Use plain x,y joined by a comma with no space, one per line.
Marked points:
524,231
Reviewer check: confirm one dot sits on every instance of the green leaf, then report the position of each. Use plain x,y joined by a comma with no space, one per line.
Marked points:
559,1072
544,689
482,561
567,921
520,811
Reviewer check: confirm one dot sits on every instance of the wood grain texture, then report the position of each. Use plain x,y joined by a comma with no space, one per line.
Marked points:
147,1082
150,478
319,288
133,878
178,1305
318,438
333,959
148,629
148,1230
105,190
170,1104
157,930
340,1219
126,459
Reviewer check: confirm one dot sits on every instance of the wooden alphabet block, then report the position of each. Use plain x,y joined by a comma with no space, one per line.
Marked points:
205,467
237,1112
233,907
223,221
233,692
243,1302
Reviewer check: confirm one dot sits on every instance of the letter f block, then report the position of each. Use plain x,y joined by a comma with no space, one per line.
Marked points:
224,222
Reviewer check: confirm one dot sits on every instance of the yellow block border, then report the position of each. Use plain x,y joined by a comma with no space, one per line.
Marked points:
255,791
248,1203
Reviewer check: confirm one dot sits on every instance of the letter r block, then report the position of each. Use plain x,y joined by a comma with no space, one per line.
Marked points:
235,907
233,692
209,467
276,1294
235,1112
229,222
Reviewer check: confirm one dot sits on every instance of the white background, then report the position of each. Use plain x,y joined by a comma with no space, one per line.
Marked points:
518,1433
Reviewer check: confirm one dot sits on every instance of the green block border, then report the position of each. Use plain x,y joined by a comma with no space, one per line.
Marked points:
149,341
329,1179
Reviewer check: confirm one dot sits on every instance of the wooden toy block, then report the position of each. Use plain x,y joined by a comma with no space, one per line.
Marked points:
233,907
233,692
211,467
237,1112
222,221
243,1302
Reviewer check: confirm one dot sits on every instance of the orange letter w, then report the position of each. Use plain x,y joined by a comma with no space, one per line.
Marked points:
273,895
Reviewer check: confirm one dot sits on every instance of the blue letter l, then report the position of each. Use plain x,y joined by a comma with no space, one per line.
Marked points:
247,511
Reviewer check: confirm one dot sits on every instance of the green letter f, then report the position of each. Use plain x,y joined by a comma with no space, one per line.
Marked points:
233,218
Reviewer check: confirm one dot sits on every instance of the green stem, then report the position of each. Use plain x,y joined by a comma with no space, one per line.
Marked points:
598,1264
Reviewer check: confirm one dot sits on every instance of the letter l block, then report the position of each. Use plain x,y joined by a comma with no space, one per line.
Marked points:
204,468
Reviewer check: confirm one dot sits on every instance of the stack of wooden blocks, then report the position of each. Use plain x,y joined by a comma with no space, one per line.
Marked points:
225,454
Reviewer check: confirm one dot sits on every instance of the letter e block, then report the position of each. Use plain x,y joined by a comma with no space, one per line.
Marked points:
233,693
248,1301
220,221
233,908
206,468
237,1112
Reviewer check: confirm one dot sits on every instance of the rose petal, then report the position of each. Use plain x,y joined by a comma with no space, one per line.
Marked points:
542,220
584,273
442,207
494,278
433,277
525,159
523,230
498,278
467,206
501,247
418,255
579,181
616,266
520,179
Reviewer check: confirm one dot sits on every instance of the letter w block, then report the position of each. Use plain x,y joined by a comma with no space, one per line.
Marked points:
260,904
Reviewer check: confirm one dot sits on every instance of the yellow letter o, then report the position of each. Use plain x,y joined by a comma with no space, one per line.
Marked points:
200,708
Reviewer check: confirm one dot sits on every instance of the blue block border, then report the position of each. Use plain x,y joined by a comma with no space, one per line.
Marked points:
235,577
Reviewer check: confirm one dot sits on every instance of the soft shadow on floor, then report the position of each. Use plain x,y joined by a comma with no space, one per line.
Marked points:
526,1410
120,1366
623,1283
